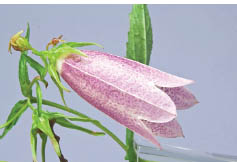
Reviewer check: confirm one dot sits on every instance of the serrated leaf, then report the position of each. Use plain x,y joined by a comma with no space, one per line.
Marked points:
16,112
140,39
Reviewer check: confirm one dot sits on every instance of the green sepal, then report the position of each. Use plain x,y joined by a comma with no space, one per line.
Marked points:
60,91
43,145
56,79
80,44
63,51
39,97
54,74
33,141
16,112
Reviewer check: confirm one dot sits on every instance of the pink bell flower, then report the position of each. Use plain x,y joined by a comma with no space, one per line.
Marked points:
140,97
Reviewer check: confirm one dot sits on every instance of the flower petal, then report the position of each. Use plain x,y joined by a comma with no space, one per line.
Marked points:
181,96
98,79
160,78
170,129
115,103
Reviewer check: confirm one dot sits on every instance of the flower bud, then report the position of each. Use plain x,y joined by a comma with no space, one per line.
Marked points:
19,43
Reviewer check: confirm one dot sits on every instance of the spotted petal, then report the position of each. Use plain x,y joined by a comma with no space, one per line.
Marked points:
170,129
181,96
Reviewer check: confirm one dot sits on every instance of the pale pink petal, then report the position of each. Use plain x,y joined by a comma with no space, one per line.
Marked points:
170,129
181,96
126,91
113,102
98,76
155,76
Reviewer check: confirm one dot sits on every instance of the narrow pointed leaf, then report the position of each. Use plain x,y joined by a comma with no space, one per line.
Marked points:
65,123
35,65
139,43
23,70
43,145
18,109
24,76
28,32
62,120
44,126
33,143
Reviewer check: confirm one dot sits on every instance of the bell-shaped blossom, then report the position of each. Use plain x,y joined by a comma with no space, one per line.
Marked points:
140,97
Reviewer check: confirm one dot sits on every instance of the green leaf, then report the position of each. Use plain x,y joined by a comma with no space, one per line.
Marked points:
16,112
62,120
139,43
23,70
80,44
24,76
37,66
43,145
33,141
39,97
28,32
42,123
65,123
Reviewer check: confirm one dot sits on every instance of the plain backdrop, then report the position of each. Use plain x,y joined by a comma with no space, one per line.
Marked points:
198,42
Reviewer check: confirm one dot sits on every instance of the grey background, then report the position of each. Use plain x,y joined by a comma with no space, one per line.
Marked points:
192,41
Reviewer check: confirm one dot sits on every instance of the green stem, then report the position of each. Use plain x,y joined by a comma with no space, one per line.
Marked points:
131,153
33,82
95,122
36,52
